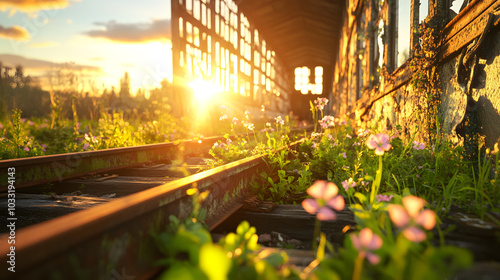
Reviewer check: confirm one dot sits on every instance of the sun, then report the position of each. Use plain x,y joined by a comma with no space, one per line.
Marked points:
204,90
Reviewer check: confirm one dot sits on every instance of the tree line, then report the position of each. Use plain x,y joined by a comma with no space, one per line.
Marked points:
71,95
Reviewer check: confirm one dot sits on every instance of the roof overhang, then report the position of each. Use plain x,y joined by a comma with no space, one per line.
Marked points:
302,32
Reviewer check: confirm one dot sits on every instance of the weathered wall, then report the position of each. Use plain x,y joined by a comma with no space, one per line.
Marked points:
393,101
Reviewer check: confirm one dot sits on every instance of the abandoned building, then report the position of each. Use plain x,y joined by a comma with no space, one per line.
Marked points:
421,65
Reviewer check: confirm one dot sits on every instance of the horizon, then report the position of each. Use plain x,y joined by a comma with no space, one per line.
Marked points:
102,40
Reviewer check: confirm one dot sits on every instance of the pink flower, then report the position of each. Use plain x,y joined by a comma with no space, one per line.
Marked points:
342,122
365,243
279,120
314,145
327,121
410,218
1,125
384,197
348,136
418,146
363,132
26,149
344,155
85,146
347,184
30,123
320,103
379,142
324,198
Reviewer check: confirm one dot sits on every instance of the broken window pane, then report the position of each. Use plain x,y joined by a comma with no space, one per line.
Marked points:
424,10
403,42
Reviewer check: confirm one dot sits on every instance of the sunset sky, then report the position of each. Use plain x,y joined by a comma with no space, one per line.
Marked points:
102,38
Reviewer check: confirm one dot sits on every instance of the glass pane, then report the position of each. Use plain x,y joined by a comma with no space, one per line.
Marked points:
403,31
424,10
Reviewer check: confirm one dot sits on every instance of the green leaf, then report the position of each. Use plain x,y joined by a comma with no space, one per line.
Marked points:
362,198
214,261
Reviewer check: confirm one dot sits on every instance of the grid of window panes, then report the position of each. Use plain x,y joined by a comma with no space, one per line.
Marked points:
231,53
303,77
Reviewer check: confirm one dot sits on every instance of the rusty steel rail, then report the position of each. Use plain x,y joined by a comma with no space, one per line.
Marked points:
115,239
46,169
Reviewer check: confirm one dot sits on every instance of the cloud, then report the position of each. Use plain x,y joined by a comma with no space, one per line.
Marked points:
39,65
158,30
15,33
29,6
44,45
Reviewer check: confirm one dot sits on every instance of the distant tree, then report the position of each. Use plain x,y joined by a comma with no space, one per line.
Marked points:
125,86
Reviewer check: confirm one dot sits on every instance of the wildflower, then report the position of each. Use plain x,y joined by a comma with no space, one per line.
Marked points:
268,124
314,145
362,132
249,126
235,121
23,120
330,137
44,147
85,146
379,142
418,146
30,123
342,122
418,176
279,120
26,149
324,198
78,125
347,184
356,144
262,108
314,134
344,155
366,242
223,117
364,183
420,167
409,218
327,121
348,136
1,125
345,167
384,197
87,137
320,103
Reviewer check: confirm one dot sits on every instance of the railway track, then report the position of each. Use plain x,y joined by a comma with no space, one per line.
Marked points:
109,234
97,236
